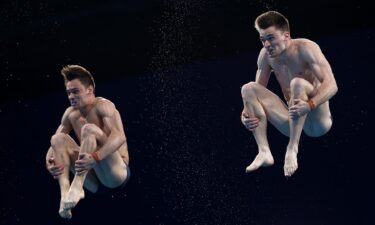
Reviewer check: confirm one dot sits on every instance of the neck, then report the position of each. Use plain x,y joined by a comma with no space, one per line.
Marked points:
282,54
90,104
288,42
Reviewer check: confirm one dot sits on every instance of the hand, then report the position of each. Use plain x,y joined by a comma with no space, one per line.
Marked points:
249,122
84,163
298,109
53,169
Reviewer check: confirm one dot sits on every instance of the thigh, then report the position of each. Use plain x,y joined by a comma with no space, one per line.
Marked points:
275,109
71,147
318,121
111,171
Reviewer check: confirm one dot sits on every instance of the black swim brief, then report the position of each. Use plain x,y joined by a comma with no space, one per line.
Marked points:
105,190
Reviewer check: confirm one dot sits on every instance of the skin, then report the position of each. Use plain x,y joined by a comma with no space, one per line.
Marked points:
98,126
303,73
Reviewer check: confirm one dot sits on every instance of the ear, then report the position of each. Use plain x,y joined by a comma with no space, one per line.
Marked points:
90,89
286,35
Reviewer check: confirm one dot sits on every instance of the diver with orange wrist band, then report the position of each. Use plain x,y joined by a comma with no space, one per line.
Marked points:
306,80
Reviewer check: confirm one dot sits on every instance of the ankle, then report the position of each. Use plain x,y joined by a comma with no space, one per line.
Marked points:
292,148
264,150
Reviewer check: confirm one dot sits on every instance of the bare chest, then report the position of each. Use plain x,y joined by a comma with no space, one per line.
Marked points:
78,121
286,70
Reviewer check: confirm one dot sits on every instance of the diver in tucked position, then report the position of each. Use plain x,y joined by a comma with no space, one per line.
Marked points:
306,80
101,159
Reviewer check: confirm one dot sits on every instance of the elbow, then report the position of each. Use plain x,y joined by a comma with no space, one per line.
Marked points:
335,89
122,139
117,138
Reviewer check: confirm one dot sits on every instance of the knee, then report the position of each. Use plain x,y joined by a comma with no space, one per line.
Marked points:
297,82
249,89
58,140
298,86
88,130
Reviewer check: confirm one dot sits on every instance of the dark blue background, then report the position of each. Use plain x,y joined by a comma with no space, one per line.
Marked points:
174,70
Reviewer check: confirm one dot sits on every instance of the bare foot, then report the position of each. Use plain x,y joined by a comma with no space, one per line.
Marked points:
290,165
73,197
262,159
66,214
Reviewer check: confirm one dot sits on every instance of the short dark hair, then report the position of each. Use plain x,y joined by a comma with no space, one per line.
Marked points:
272,18
71,72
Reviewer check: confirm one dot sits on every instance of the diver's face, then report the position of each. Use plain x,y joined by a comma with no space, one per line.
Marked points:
77,93
274,40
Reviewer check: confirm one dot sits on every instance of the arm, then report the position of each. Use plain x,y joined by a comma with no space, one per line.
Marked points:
320,67
112,122
264,69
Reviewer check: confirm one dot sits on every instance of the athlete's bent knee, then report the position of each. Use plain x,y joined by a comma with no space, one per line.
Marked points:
58,139
249,89
89,129
297,82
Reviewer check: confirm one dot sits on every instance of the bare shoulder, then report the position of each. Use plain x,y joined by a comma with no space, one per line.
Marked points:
104,106
68,112
263,54
303,42
308,50
305,45
263,58
67,116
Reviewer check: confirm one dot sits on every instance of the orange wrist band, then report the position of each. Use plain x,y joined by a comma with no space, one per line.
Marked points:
95,156
311,104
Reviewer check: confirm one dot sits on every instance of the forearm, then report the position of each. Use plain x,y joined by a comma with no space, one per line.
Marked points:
113,143
324,92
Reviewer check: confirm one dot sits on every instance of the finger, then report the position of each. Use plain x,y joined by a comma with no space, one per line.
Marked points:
254,119
53,168
80,170
246,122
293,107
56,167
252,127
253,122
61,168
79,165
79,162
57,174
